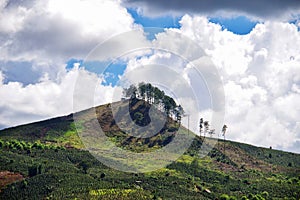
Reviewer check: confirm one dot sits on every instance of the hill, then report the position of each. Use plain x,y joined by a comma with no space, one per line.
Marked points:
48,160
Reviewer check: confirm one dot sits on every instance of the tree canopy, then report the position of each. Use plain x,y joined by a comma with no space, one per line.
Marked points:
155,96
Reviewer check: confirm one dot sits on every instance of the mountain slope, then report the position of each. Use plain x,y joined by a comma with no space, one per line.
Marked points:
49,160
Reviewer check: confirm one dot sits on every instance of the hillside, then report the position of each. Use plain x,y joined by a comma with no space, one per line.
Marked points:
48,160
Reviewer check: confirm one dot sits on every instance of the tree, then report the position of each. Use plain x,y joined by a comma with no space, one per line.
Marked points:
158,95
224,129
169,104
155,96
206,127
131,92
179,114
201,126
84,165
142,90
149,93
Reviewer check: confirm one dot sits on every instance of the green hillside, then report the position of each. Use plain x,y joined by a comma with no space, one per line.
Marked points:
47,160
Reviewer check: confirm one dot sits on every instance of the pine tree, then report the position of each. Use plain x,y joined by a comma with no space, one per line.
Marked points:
201,126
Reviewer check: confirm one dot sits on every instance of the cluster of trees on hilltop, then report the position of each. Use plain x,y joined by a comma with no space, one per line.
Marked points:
155,96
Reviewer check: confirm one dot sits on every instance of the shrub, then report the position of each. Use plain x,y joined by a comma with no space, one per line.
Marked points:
32,171
265,194
255,198
258,196
102,175
138,117
270,155
224,197
250,196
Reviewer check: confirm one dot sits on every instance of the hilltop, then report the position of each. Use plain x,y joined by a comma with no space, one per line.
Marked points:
48,160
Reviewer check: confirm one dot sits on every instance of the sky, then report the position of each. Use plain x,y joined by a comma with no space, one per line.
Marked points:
253,48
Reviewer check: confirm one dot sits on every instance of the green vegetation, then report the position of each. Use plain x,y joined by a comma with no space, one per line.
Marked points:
138,112
50,157
154,96
59,131
285,159
68,173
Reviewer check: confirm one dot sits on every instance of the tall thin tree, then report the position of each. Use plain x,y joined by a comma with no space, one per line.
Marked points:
224,129
201,126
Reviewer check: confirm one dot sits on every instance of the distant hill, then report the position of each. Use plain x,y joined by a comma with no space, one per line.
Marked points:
48,160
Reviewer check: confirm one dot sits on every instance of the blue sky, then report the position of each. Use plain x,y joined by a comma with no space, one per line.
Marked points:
167,21
238,24
110,70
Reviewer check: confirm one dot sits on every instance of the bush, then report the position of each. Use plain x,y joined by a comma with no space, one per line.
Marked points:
34,170
265,194
270,155
260,197
224,197
102,175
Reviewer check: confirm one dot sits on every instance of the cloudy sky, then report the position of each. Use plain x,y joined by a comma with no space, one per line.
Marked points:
253,45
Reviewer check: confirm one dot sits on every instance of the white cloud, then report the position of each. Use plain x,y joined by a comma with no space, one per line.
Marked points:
46,99
286,107
48,33
1,78
12,19
45,34
261,79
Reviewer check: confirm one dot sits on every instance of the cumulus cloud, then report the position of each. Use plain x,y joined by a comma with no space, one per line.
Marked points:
257,8
261,83
37,38
61,28
47,34
22,104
